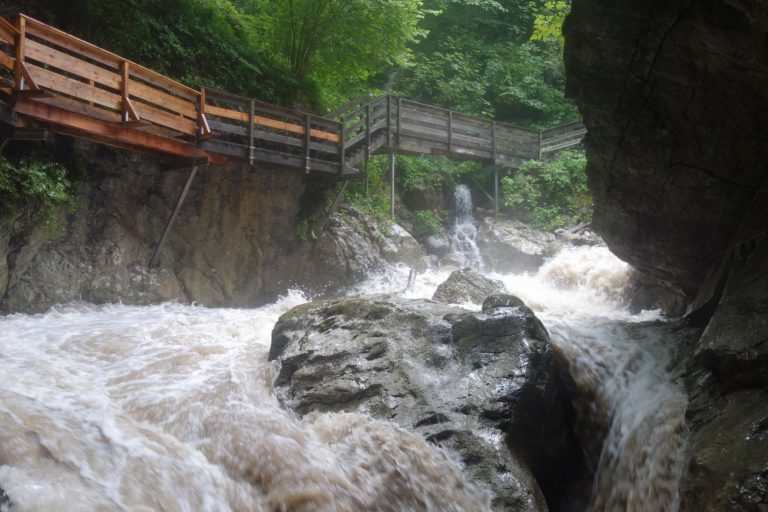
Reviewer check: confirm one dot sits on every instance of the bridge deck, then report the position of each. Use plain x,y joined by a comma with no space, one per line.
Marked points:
64,84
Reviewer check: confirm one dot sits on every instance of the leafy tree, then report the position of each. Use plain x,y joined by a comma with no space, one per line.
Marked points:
333,47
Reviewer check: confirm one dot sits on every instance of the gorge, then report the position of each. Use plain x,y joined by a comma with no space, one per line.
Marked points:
673,95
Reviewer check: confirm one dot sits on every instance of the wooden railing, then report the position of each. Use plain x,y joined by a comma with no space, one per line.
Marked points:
76,87
246,129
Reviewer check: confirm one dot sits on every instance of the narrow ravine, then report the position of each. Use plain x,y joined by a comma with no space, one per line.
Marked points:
171,407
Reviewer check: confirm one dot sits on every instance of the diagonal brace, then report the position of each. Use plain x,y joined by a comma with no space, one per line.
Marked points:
156,256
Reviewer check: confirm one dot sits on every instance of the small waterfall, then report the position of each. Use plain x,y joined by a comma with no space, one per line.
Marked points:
463,247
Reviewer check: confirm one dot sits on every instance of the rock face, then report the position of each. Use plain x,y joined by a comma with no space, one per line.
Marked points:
237,240
510,246
674,96
481,384
467,285
675,99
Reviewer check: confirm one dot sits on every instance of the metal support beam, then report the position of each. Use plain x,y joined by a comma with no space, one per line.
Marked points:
392,185
495,192
337,201
156,256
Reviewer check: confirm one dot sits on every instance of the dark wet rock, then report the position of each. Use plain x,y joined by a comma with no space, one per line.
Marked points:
239,239
728,388
438,246
421,197
6,505
510,246
481,384
676,131
578,235
467,285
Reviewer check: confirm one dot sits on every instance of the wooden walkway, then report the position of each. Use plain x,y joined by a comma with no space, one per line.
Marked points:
50,80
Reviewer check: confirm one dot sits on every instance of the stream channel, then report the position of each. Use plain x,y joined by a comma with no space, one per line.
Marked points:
171,407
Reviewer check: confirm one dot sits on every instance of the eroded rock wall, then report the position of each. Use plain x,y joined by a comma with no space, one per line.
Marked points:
237,241
675,99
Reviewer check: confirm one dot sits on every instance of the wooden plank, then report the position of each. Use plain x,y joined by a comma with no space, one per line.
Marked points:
163,118
7,61
162,99
72,64
75,88
271,123
74,45
93,52
81,108
8,32
164,83
261,135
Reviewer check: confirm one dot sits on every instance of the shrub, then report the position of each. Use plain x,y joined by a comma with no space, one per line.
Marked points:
551,194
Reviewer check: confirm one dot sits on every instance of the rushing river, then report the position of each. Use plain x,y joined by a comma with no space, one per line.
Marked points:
171,407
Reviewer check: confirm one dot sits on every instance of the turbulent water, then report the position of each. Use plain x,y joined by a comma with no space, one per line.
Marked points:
171,407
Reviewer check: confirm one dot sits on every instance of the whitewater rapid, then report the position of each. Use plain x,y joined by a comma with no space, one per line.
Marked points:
171,407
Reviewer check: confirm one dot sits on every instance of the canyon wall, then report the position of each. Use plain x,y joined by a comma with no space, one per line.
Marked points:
241,237
675,99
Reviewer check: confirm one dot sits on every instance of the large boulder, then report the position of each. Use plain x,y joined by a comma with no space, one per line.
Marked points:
483,385
510,246
467,285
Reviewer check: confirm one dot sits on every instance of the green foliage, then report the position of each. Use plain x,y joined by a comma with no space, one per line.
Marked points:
549,195
548,25
426,223
372,194
479,58
432,172
37,180
331,48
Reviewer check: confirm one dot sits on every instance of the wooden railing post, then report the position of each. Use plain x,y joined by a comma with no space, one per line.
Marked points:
493,142
399,120
389,120
367,132
307,135
541,137
202,121
450,132
342,147
128,112
251,133
18,71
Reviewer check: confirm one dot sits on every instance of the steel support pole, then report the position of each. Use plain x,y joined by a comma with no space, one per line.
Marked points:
392,185
156,256
495,192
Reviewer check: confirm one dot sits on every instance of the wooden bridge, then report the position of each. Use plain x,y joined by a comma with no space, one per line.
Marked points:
50,80
53,81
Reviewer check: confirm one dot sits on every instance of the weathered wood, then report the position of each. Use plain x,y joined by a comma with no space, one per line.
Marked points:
7,61
85,126
18,73
164,100
175,122
80,90
8,32
271,123
72,65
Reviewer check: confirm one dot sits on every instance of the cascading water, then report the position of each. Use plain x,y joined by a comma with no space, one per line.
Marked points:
464,250
170,407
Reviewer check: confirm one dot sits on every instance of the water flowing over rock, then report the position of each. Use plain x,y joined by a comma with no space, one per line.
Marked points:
464,250
481,384
467,285
511,246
